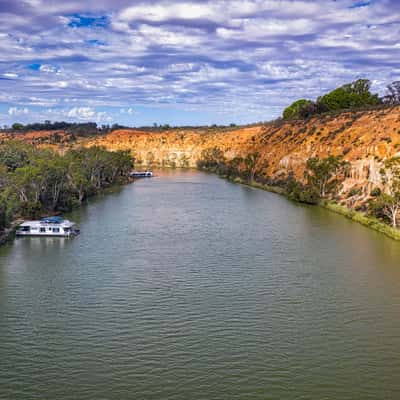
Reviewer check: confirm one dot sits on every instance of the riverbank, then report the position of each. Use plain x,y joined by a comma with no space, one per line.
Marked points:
353,215
7,235
362,219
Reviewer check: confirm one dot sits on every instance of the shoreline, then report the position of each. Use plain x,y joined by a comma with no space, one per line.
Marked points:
8,235
353,215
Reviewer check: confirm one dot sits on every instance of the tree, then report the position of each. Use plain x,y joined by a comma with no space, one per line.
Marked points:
233,167
325,174
55,173
14,154
352,95
388,203
212,159
295,109
17,126
393,94
253,162
302,193
35,180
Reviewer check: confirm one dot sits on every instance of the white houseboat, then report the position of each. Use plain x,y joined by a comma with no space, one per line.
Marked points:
49,226
141,174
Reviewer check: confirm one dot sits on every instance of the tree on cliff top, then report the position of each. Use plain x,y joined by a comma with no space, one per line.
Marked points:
352,95
349,96
393,93
295,109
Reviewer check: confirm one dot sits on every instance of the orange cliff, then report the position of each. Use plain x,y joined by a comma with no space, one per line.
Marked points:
364,138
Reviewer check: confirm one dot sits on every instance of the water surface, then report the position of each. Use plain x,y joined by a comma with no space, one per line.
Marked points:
186,286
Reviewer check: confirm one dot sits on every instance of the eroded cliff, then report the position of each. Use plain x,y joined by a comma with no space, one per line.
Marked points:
364,138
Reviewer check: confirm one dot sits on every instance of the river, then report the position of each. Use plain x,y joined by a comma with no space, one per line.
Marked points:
186,286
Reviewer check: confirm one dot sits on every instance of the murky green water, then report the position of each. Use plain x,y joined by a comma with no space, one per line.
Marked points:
186,286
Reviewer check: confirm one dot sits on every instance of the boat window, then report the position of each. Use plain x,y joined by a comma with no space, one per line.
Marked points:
67,229
56,230
42,229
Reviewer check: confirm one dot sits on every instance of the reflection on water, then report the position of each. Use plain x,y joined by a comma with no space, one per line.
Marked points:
41,243
186,286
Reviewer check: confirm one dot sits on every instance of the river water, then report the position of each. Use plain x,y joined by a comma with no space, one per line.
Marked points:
186,286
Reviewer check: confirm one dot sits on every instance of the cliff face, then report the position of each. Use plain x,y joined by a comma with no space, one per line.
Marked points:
181,148
364,138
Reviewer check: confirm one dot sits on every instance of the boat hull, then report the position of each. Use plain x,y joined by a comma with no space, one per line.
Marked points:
47,234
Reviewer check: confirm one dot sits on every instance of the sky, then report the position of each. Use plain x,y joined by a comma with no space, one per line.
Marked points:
187,62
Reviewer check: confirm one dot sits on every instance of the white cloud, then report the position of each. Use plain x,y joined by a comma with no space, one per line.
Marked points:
129,111
81,112
167,11
15,111
182,37
261,28
48,68
10,75
88,114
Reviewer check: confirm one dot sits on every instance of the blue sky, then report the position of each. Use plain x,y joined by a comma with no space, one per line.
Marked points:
187,62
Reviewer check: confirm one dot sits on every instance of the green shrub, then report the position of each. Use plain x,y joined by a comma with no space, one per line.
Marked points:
294,110
375,192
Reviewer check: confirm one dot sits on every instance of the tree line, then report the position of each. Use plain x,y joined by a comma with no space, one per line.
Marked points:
322,180
76,128
35,181
351,96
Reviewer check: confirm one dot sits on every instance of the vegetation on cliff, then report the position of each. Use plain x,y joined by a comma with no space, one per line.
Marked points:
323,178
351,96
246,168
387,205
34,181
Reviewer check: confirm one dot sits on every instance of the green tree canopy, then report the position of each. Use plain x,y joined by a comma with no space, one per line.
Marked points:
388,204
352,95
325,174
295,109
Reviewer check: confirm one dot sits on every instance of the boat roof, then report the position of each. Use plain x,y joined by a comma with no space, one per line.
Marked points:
64,222
52,220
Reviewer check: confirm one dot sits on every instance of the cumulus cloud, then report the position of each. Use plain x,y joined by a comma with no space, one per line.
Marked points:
48,68
129,111
10,75
235,60
87,114
15,111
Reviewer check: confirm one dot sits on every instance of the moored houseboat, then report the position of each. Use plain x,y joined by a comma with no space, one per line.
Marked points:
49,226
141,174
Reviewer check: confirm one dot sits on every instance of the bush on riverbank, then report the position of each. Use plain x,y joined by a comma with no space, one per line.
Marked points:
363,219
34,181
323,179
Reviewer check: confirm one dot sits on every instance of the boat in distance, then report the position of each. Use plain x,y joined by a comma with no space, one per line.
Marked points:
141,174
48,226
